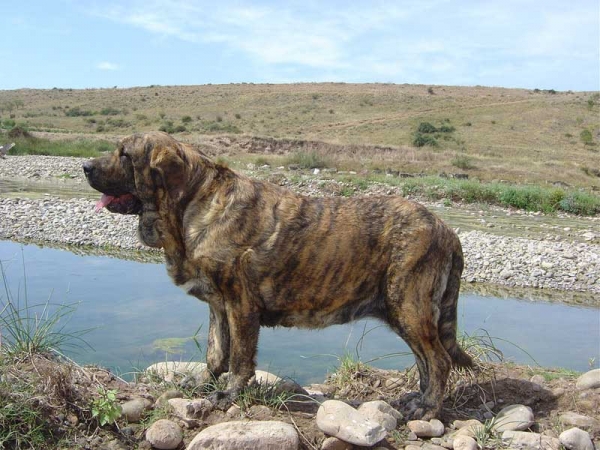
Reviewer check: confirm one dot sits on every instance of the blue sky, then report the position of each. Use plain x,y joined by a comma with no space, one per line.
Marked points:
545,44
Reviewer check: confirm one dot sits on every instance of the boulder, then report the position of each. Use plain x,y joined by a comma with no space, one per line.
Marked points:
247,435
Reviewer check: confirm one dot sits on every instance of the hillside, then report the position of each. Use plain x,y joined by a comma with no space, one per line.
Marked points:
517,135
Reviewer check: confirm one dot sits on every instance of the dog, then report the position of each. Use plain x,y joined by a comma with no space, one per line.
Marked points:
261,255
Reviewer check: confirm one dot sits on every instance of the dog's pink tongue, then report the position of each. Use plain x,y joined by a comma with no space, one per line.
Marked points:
105,200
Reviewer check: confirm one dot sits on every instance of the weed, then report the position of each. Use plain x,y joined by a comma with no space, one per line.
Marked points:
308,160
30,329
462,162
586,137
268,394
426,127
485,435
105,408
422,140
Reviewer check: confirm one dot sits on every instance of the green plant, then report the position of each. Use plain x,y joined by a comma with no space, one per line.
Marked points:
426,127
485,434
35,328
306,160
422,140
105,407
21,425
186,119
586,137
462,162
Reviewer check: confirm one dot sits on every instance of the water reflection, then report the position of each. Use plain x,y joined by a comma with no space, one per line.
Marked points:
133,307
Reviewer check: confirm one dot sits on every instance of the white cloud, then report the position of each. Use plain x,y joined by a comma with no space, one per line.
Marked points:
105,65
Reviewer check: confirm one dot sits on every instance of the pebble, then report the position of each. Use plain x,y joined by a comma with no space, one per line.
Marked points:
520,439
133,410
164,435
433,428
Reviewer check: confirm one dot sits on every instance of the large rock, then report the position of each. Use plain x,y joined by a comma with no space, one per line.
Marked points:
518,439
514,418
422,428
589,380
164,435
576,439
247,435
382,413
342,421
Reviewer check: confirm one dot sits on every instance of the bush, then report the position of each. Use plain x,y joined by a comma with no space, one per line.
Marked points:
426,127
76,112
186,119
586,137
110,111
306,160
421,140
462,162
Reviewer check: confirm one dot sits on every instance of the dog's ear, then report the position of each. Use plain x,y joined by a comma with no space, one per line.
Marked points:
168,163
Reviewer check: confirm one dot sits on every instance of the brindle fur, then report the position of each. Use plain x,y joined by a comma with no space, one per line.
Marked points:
260,254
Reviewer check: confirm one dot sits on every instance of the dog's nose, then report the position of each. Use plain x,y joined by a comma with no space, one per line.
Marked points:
88,168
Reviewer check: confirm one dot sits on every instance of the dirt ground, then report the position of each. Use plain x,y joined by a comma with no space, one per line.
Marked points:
63,394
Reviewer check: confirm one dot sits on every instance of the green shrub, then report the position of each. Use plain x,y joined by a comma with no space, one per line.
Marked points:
110,111
462,162
586,137
186,119
426,127
421,140
76,112
308,160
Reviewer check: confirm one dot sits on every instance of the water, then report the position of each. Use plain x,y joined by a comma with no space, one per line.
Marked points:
133,307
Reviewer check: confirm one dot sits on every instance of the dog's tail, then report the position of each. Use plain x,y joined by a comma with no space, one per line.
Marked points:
447,323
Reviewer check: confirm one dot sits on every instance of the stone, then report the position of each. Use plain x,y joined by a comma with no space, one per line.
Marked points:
166,396
333,443
589,380
516,439
382,413
574,419
433,428
133,410
514,417
464,443
165,368
340,420
247,435
191,409
164,435
576,439
260,412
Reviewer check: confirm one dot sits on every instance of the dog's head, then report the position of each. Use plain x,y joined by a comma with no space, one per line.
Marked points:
149,175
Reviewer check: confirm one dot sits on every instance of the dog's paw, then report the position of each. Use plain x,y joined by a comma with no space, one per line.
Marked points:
221,400
412,407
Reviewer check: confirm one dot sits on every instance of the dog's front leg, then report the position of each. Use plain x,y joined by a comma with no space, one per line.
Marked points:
217,352
244,327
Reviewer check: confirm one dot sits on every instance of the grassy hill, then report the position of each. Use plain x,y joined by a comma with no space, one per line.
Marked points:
516,135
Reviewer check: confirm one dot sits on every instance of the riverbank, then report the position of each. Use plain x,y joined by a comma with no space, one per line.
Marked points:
557,257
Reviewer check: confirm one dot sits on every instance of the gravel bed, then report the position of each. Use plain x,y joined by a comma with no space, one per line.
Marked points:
490,258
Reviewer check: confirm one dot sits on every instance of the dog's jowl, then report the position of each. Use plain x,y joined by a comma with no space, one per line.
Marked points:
262,255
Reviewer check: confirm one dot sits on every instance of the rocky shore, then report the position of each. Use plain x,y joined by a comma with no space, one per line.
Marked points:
545,261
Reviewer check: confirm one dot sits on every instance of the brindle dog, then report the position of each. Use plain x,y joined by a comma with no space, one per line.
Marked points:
260,254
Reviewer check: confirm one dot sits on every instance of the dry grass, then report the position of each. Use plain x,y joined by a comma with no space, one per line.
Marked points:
513,134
